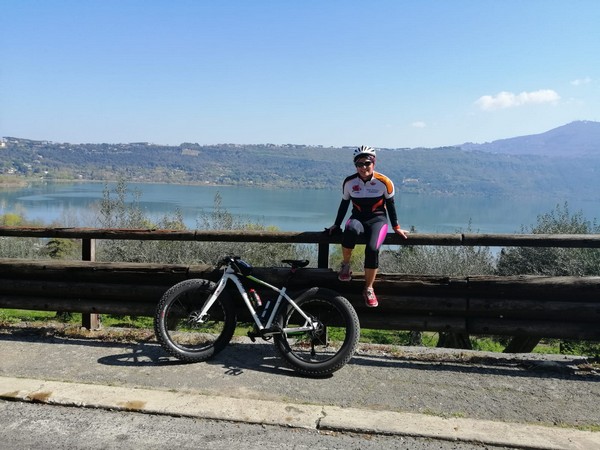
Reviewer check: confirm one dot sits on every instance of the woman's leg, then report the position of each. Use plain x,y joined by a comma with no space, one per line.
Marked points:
376,230
346,255
370,275
352,230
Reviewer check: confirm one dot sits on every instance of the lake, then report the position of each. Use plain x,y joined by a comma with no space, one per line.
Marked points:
75,204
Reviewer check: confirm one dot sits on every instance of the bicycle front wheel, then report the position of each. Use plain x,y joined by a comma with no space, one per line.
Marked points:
181,330
330,346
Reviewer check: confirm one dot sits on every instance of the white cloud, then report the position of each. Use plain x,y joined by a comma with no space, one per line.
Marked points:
504,99
418,124
581,81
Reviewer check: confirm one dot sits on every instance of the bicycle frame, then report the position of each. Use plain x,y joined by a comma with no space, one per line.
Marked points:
230,274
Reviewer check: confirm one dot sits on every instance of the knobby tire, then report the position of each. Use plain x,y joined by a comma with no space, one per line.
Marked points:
319,353
184,337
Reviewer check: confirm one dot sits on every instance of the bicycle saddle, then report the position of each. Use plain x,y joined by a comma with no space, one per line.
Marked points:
296,263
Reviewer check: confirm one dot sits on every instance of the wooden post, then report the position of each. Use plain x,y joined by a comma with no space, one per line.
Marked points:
90,321
522,344
323,258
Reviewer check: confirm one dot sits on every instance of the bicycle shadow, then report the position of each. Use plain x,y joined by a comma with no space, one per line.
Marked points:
142,354
235,359
241,357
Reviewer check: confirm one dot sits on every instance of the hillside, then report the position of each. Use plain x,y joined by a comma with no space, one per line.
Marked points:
581,138
472,169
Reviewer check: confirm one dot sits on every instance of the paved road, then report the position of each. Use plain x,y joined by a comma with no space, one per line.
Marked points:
503,400
39,426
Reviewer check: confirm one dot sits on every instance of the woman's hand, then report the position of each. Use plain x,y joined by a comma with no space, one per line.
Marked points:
332,229
399,231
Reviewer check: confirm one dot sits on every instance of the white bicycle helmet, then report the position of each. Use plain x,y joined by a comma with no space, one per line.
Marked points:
363,151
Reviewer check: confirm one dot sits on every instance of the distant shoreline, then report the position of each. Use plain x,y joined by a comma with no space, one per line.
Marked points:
21,182
13,183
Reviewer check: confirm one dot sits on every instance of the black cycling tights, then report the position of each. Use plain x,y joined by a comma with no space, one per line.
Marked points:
375,230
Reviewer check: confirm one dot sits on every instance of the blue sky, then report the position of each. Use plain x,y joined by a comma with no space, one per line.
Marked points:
396,74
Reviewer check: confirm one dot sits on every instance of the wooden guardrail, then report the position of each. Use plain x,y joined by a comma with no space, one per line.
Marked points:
88,235
525,307
559,307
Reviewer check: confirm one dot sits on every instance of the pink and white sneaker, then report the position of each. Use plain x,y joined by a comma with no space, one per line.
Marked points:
370,298
345,274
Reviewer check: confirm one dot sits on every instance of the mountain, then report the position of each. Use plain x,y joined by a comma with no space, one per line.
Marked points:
580,138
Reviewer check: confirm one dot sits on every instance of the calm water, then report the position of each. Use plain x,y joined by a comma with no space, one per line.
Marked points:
289,210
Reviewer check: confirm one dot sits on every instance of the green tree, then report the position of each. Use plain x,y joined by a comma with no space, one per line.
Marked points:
61,248
11,220
16,247
117,211
554,261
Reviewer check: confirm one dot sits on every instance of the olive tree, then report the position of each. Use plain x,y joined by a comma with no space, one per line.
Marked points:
549,260
439,260
121,209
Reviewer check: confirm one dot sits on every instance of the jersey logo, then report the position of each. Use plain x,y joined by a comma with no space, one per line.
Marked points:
356,188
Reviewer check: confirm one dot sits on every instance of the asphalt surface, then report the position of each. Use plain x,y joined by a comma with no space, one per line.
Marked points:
522,401
27,426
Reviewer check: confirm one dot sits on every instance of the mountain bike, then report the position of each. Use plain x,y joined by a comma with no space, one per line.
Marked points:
316,333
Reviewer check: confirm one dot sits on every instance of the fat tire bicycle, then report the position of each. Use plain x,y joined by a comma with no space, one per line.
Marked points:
316,333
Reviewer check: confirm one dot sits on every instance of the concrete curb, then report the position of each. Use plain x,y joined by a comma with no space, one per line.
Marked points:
316,417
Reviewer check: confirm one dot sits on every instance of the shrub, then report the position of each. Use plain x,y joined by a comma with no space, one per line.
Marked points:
118,213
553,261
439,260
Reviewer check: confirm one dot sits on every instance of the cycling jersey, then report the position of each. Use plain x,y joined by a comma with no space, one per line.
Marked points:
370,198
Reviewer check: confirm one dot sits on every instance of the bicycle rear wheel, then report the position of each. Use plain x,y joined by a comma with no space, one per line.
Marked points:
180,329
326,349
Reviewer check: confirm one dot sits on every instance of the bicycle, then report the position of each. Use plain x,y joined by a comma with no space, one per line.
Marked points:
316,333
